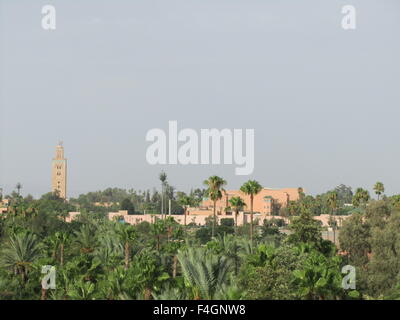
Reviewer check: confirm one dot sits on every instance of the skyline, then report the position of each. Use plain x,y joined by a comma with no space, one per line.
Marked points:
323,102
60,154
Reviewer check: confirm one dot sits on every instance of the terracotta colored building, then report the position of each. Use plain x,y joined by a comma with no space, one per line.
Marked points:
199,217
268,201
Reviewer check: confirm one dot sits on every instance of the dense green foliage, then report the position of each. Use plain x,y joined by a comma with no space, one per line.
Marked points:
100,259
372,241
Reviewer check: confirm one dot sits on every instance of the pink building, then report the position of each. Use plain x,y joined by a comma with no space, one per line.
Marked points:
200,219
268,201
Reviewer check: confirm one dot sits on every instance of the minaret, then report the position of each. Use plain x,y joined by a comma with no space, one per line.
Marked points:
59,172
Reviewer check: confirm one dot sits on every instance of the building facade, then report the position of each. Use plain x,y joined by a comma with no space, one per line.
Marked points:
200,218
268,201
59,172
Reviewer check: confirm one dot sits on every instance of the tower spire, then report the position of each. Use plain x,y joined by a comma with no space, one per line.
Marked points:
59,172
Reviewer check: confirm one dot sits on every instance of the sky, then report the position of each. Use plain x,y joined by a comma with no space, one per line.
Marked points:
323,101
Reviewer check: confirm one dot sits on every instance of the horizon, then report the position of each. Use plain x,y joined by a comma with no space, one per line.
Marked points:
156,187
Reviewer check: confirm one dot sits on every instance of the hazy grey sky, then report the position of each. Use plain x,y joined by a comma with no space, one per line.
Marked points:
324,102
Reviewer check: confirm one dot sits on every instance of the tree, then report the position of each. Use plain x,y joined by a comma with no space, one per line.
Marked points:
305,229
332,202
163,179
127,205
114,284
377,214
354,240
383,268
371,242
18,187
85,238
127,236
58,241
186,201
237,204
319,278
360,197
228,246
20,252
174,233
301,193
148,271
111,249
268,273
215,188
344,193
204,273
270,229
379,189
198,195
82,290
251,188
158,228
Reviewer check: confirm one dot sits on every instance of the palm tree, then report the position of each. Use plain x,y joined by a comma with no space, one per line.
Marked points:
158,228
174,232
85,238
112,285
109,250
204,272
53,245
163,179
229,292
18,187
148,272
215,188
170,293
20,252
332,202
186,201
379,188
127,235
318,279
251,188
361,196
301,193
82,290
230,248
237,203
62,239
